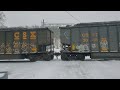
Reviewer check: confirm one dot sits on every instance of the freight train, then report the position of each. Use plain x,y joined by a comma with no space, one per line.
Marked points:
99,40
31,43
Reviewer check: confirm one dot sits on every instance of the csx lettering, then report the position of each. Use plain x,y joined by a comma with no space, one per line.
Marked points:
16,35
33,35
24,35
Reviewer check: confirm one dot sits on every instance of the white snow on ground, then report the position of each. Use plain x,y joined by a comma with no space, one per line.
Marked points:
57,69
56,50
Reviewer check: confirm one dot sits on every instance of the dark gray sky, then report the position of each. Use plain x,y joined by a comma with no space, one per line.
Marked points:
29,18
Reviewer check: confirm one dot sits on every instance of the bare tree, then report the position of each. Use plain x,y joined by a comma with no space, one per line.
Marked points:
2,19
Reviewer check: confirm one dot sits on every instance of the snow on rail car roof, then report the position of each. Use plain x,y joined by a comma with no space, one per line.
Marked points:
20,28
90,24
98,23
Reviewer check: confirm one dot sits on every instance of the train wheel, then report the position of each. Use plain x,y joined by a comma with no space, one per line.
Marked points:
52,57
32,59
64,57
47,57
80,57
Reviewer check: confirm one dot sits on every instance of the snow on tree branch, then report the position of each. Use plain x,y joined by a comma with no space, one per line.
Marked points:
2,19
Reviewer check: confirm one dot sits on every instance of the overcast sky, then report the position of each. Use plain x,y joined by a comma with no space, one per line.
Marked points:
29,18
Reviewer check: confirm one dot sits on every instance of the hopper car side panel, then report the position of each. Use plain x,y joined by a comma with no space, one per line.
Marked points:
16,42
98,41
109,43
2,42
113,38
23,43
94,39
9,43
25,47
33,41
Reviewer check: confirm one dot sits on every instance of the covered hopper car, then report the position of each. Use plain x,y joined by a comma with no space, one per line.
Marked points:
99,40
31,43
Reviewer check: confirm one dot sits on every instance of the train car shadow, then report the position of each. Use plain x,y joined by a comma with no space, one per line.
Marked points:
87,60
102,60
15,62
10,61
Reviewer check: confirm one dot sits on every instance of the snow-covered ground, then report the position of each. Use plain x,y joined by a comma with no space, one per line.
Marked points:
57,69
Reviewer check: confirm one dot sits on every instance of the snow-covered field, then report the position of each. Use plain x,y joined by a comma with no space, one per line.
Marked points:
57,69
